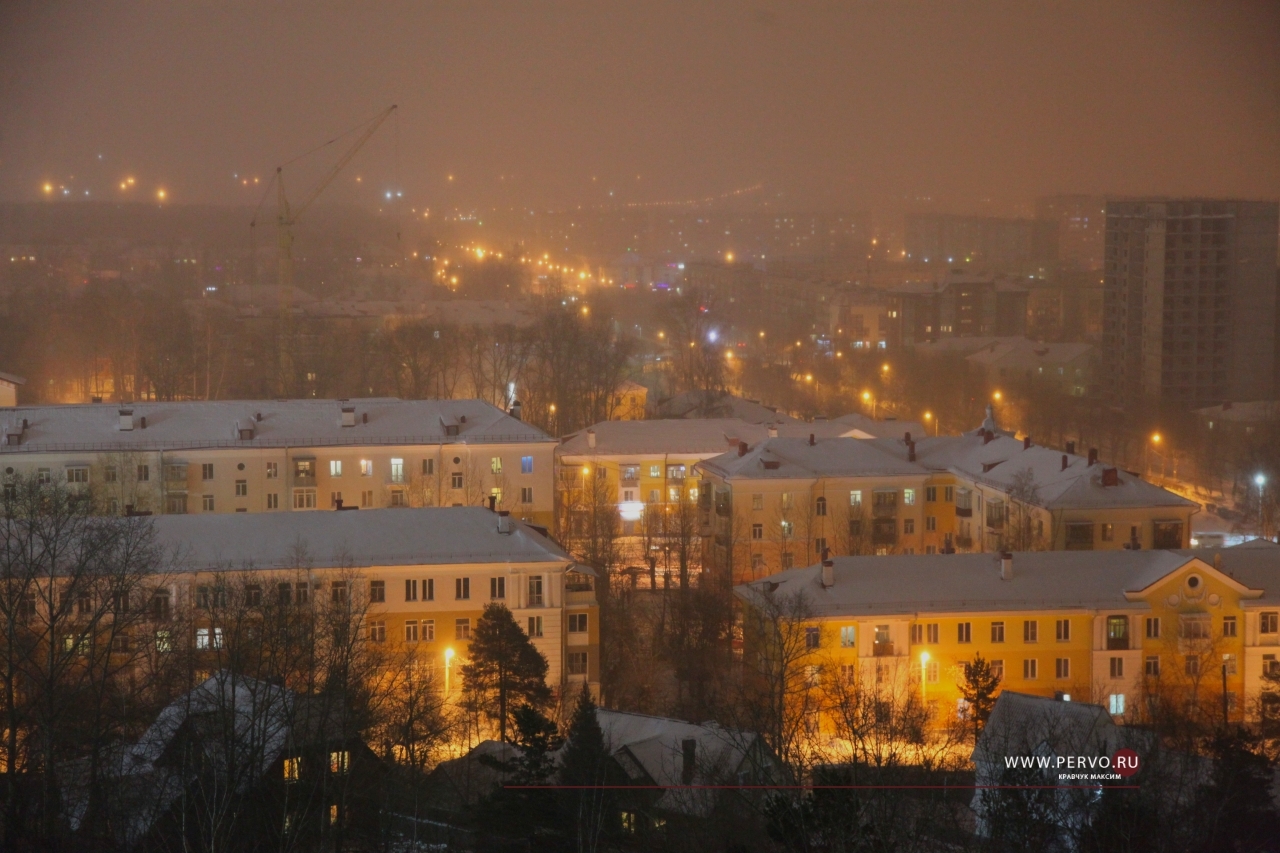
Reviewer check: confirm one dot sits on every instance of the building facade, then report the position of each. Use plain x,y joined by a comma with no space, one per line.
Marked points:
424,575
1190,301
275,456
1109,628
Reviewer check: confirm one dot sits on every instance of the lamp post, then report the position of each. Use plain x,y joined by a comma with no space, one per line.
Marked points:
1261,480
924,675
937,425
448,661
867,398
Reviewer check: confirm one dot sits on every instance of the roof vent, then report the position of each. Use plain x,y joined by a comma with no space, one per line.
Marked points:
364,417
907,438
1026,442
1093,456
1071,448
988,436
516,409
126,420
773,430
142,421
811,441
771,464
911,450
505,526
1110,477
828,574
1066,460
1006,566
591,438
348,416
742,448
257,416
244,429
462,419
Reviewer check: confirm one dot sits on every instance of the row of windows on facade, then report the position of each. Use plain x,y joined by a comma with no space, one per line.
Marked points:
1191,626
879,498
210,596
879,527
176,504
303,468
424,630
931,669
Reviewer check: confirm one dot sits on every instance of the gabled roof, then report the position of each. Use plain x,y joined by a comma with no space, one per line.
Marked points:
998,462
865,427
284,423
373,537
720,404
650,750
703,437
1034,725
960,583
796,458
12,379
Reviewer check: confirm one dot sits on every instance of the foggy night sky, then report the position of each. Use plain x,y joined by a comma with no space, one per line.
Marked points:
851,104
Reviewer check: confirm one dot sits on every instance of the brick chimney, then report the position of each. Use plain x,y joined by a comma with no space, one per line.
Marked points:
742,448
591,438
1066,460
1026,442
812,442
828,574
1093,456
1006,566
1071,448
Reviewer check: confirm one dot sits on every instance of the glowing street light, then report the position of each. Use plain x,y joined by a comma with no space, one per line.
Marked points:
448,660
924,673
1155,438
997,396
928,416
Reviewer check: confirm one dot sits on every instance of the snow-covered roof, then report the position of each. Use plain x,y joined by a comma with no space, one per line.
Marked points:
1022,353
283,423
696,437
1256,411
999,461
12,379
720,404
865,427
795,458
374,537
1021,724
653,747
960,583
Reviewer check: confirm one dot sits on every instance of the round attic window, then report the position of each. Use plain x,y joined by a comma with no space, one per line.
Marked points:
457,460
1193,582
240,467
8,470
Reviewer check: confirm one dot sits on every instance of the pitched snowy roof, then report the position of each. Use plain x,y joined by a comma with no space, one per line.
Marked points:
704,404
284,423
701,437
999,461
959,583
862,426
795,458
375,537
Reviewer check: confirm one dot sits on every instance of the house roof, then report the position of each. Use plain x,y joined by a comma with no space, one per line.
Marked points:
720,404
795,458
284,423
998,462
1022,353
12,379
1256,411
961,583
1034,725
375,537
865,427
705,437
651,751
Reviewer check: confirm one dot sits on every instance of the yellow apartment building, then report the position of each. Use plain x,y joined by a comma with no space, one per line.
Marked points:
1013,494
196,458
647,467
426,575
1110,628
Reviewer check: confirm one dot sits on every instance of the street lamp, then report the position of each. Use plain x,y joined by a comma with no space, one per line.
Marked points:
867,398
448,660
997,396
928,416
924,673
1260,480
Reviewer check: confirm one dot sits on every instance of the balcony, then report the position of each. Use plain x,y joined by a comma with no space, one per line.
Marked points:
304,480
964,542
964,512
882,649
884,510
576,596
629,482
1117,644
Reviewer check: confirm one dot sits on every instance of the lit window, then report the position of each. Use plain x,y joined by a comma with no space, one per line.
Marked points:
495,465
535,626
292,769
909,497
397,470
848,636
1115,703
366,467
526,464
757,502
339,761
335,468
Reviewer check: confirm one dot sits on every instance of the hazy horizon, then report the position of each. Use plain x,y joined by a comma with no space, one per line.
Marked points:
869,105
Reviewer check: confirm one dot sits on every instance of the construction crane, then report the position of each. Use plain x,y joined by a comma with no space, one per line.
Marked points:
287,216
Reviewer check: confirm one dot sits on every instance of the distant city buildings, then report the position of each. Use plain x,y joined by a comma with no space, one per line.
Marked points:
992,244
958,306
1081,224
1190,301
